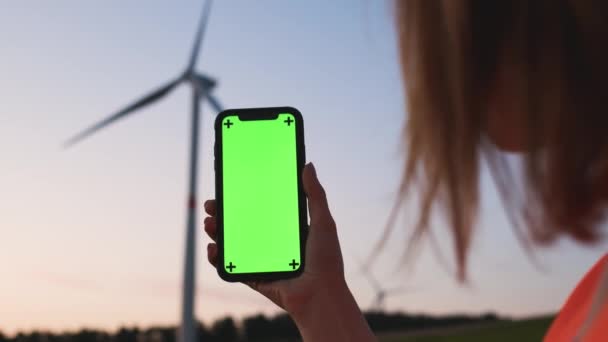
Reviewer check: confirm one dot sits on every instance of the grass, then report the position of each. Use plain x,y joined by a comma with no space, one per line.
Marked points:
521,331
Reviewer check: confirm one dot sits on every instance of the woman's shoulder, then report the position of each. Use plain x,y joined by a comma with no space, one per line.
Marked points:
585,309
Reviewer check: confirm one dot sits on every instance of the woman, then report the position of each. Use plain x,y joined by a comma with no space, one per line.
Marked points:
484,77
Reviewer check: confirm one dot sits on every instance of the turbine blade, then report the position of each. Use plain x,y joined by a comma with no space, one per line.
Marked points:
367,273
199,35
215,104
372,280
144,101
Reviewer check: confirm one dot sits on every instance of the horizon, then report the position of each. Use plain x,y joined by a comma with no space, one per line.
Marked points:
93,235
474,317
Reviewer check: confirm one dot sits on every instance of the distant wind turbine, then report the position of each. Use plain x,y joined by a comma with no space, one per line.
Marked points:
380,292
202,85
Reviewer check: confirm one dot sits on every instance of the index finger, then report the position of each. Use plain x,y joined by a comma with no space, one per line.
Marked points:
210,207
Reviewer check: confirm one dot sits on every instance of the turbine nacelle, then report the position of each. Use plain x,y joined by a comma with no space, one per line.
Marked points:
203,82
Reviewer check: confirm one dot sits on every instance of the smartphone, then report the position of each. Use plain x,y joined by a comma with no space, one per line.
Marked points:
261,206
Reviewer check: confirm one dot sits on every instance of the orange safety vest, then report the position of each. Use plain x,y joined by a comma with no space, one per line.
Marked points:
575,312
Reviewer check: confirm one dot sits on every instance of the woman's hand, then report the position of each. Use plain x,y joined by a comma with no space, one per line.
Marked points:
319,300
323,267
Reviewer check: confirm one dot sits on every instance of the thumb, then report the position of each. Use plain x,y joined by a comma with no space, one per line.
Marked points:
317,201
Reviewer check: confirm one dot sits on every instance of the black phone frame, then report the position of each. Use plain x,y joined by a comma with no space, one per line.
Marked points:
268,113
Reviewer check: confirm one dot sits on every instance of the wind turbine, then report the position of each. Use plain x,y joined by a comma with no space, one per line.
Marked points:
380,292
201,90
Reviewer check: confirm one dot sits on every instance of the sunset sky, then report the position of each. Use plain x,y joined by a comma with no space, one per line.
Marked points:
93,236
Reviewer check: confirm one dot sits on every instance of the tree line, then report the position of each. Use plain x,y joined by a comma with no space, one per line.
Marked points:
254,328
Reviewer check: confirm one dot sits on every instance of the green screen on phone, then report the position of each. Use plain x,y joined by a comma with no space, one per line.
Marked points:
261,225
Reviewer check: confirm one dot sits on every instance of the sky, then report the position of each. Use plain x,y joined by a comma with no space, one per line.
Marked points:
93,236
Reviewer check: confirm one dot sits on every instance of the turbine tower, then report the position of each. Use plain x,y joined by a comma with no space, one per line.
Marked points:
202,85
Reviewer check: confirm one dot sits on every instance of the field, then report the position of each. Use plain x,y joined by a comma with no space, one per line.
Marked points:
521,331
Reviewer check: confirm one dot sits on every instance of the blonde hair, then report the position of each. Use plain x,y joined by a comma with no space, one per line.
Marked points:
451,54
